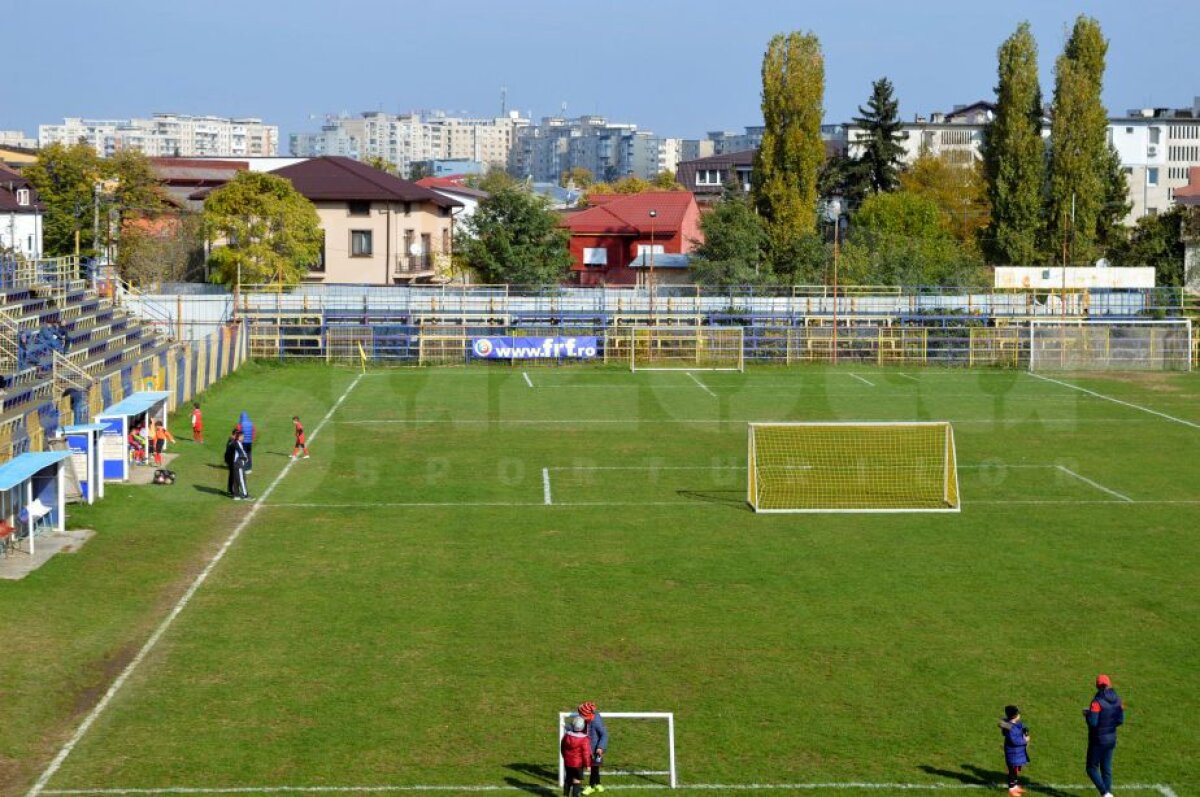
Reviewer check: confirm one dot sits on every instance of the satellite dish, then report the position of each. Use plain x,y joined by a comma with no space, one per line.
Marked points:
414,249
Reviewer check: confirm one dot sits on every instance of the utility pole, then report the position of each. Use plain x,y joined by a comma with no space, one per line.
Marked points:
653,286
833,212
95,219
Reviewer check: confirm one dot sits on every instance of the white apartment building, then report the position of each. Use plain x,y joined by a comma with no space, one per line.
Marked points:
403,139
1157,147
168,135
956,136
609,150
17,138
651,155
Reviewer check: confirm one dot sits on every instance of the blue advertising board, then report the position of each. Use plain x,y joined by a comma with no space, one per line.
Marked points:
529,348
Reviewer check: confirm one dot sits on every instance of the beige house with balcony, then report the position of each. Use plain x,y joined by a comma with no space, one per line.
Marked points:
379,229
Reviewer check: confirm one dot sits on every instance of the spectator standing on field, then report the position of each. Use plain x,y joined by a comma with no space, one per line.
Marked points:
576,753
598,742
235,459
1105,714
197,423
1016,742
246,426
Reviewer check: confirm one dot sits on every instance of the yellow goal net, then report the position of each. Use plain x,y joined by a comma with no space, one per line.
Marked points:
852,467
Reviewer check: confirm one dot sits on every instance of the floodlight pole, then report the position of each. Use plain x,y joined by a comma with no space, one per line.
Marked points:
652,285
834,212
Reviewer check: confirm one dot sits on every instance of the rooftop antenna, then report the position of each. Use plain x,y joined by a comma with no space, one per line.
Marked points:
504,100
563,111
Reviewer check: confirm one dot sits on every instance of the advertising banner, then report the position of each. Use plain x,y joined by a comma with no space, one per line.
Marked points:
513,348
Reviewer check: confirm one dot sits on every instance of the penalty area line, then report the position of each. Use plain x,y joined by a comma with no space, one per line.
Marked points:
867,382
546,788
1131,405
1096,484
703,386
40,785
528,381
547,498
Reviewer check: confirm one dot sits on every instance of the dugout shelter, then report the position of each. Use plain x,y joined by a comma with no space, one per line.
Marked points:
33,497
117,421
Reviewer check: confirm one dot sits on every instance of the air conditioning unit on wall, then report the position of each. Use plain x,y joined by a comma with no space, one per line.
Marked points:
1151,150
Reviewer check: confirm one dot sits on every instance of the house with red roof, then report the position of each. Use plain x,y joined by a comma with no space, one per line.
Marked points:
618,238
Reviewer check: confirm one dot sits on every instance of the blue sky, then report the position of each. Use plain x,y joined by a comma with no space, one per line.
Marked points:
678,68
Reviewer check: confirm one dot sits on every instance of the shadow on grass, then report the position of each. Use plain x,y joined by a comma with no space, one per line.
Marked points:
730,498
991,779
547,778
204,488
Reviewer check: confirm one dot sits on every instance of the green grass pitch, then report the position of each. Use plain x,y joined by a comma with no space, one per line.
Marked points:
406,608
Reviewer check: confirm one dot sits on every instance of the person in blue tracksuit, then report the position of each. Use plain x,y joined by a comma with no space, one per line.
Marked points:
598,736
249,437
1104,715
1016,744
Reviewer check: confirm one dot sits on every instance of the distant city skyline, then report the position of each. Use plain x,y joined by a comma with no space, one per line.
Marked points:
675,67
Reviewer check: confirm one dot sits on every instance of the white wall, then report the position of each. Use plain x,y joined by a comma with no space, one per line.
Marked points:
22,232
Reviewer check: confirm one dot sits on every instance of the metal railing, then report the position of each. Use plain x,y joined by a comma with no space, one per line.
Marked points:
407,265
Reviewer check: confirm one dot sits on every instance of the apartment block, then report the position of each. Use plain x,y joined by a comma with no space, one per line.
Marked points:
1158,148
168,135
17,138
404,139
609,150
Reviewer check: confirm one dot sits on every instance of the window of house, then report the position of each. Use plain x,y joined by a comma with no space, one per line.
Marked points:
1152,176
320,264
708,177
360,243
1155,134
359,207
23,197
595,256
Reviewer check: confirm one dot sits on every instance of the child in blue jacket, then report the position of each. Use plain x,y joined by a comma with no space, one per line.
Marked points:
1016,742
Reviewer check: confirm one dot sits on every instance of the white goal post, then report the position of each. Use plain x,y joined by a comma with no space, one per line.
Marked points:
852,466
1132,345
676,348
667,716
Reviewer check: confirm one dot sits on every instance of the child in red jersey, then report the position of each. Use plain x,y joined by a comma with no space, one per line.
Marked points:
301,441
197,423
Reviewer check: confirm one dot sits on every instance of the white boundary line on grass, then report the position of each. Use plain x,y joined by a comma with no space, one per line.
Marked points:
1116,400
180,605
703,386
864,381
528,381
696,504
1097,485
547,498
1161,788
907,376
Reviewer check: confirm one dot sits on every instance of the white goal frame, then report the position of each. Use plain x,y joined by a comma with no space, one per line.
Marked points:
669,716
1039,327
949,475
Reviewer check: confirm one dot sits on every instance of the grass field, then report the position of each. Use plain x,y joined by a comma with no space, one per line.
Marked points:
469,552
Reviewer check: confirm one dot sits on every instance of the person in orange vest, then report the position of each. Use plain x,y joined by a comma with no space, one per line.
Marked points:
197,423
301,441
159,441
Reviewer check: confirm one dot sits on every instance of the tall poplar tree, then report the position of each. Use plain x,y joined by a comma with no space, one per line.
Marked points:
1080,161
878,166
1014,156
784,179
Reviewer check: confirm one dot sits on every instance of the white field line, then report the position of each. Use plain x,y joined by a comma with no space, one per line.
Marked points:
703,386
698,503
864,381
698,421
907,376
547,499
569,468
1139,407
1096,484
528,381
180,605
1160,788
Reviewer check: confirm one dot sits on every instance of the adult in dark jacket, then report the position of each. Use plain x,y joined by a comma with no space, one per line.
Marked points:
1105,714
598,739
235,460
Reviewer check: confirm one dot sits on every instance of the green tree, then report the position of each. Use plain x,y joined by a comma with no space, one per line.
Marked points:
959,191
579,177
665,181
419,170
66,178
1079,149
136,187
514,238
877,167
269,233
735,245
382,164
1156,241
166,248
494,181
900,238
1014,157
789,159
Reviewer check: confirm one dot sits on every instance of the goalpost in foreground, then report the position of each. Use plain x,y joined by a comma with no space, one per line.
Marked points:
902,466
628,749
665,348
1134,345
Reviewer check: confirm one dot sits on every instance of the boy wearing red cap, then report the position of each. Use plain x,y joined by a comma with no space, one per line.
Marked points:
598,739
1105,714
